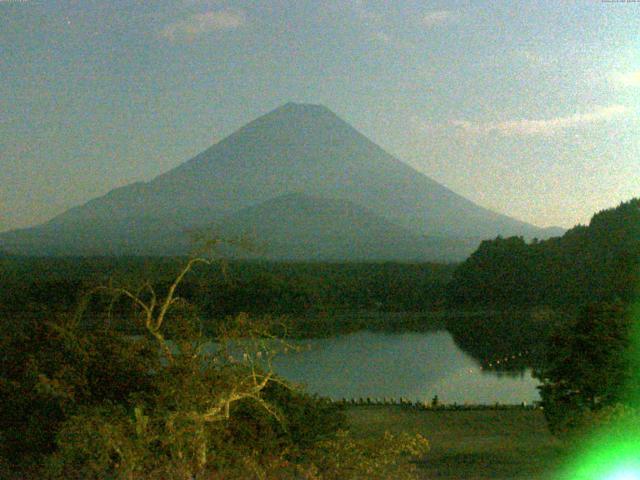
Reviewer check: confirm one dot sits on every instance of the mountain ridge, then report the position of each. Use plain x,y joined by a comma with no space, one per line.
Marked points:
296,226
295,148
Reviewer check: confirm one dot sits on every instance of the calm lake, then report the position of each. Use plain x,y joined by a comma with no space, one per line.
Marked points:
415,366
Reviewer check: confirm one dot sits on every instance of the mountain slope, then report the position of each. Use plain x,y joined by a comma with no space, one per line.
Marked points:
296,148
297,227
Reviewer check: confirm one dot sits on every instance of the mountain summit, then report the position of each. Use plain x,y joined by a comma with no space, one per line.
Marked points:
296,149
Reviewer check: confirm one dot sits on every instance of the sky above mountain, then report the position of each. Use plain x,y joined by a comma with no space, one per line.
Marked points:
528,108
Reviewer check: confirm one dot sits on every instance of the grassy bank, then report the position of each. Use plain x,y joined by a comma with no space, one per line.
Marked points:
470,445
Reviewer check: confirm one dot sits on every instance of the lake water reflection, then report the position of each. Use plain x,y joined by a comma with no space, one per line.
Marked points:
415,366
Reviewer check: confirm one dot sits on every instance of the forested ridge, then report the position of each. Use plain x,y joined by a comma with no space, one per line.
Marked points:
594,263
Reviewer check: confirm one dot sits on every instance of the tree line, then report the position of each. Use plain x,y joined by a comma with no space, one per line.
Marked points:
319,296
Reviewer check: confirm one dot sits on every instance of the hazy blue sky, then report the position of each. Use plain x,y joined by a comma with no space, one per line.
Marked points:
527,107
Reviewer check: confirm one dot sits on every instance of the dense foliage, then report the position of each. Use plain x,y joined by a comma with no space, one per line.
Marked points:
319,298
595,263
588,367
83,400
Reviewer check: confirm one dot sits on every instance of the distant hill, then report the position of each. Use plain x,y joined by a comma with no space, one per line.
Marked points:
300,227
295,149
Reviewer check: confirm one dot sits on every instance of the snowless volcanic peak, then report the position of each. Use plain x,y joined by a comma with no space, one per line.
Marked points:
295,149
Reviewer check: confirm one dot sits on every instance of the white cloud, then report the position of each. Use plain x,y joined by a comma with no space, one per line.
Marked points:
187,29
542,127
438,17
629,79
380,25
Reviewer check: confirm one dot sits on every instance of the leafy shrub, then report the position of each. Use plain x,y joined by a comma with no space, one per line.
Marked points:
50,369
